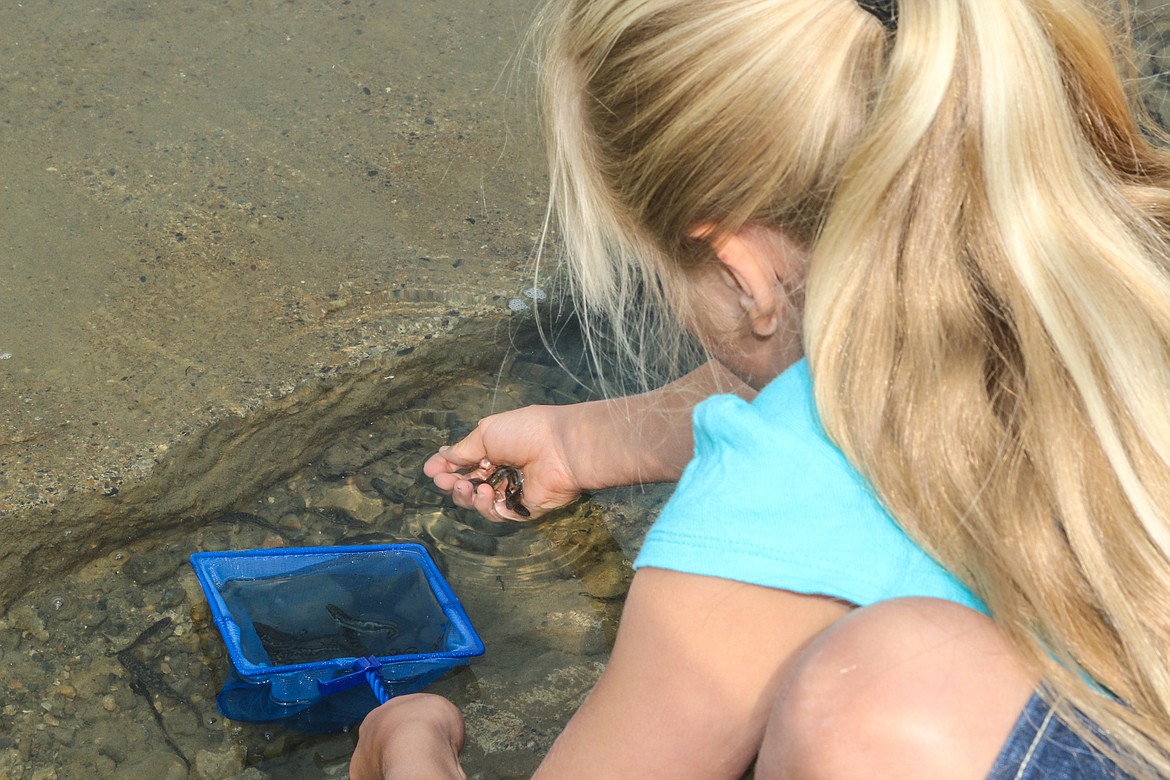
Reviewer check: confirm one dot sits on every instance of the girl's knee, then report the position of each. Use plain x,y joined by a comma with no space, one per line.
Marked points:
910,684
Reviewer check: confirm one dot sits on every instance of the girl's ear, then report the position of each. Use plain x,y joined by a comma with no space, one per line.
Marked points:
756,261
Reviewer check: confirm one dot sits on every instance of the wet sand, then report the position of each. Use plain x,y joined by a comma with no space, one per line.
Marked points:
207,208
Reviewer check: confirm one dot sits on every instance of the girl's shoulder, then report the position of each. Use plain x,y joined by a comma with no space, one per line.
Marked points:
783,415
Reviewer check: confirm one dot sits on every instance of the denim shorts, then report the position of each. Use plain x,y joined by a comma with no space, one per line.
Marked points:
1042,746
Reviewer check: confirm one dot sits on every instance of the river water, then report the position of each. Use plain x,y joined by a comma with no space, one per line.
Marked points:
113,669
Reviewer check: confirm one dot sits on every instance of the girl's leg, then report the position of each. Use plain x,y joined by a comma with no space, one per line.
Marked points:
416,737
908,688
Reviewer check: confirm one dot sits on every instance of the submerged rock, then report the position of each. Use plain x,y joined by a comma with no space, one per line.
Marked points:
348,499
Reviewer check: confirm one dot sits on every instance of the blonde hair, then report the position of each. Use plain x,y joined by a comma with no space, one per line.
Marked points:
988,292
616,82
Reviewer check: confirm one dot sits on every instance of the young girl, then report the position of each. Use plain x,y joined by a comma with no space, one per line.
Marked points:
940,546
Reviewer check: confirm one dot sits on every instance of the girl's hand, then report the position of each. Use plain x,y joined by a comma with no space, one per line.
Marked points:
562,450
408,738
528,439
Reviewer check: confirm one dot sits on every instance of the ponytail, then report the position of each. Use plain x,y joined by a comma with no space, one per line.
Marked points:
988,319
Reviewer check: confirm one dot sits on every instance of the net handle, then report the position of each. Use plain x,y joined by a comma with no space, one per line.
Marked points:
365,670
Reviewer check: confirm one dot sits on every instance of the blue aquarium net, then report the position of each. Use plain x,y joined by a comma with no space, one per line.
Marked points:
320,636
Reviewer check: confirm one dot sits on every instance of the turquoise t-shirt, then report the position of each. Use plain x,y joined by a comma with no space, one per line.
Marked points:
769,500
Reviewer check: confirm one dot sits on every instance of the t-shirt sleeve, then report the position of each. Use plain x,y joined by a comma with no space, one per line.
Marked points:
769,500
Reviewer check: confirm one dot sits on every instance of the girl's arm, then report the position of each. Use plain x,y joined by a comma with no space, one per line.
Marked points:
686,694
691,681
563,450
643,438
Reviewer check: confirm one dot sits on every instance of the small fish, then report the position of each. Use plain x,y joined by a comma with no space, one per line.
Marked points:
284,648
362,625
512,481
142,690
248,517
147,682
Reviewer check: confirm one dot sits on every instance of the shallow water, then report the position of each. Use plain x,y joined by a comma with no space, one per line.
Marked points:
112,670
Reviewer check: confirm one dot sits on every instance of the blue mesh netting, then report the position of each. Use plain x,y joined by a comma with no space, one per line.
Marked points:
318,636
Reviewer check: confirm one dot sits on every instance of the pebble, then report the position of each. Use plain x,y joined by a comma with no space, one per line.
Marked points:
172,597
251,773
223,763
291,522
352,501
608,580
25,618
159,766
271,541
334,305
149,567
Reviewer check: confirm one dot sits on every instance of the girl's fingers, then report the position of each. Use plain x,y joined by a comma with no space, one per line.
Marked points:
437,464
456,457
446,460
468,451
446,480
462,493
485,502
447,472
490,504
453,468
465,494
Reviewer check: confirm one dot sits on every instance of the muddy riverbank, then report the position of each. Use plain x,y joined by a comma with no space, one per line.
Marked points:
208,211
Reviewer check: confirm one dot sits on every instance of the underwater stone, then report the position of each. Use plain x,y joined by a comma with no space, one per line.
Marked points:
609,579
149,567
351,500
25,618
348,457
224,763
251,773
161,766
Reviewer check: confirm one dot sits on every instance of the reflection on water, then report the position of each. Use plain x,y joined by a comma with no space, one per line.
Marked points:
113,670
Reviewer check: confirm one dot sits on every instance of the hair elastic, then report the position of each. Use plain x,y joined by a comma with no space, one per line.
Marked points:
885,11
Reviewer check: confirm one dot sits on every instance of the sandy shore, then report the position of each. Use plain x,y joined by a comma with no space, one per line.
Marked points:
210,214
